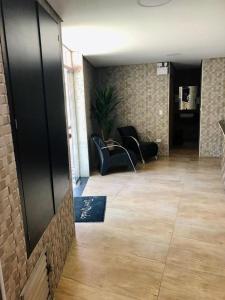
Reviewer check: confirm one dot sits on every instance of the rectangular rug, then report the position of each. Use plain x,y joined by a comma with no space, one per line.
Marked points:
89,208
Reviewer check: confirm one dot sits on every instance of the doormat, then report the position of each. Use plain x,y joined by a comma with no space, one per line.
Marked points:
89,209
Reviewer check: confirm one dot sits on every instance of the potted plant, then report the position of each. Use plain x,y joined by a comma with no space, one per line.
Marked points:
103,109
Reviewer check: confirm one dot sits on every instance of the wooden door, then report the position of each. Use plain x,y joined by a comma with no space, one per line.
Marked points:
54,96
25,86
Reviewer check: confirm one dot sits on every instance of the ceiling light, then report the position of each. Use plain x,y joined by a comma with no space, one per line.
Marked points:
173,54
153,3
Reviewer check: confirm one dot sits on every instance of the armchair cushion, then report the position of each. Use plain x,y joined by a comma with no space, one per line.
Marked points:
143,150
118,157
128,131
149,149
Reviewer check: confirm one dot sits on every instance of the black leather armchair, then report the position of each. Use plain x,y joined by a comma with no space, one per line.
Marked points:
113,155
143,150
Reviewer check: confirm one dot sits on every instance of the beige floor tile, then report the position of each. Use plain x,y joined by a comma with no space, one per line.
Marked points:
197,256
204,187
197,230
164,231
125,241
72,290
202,212
203,198
126,275
98,188
138,200
153,225
183,284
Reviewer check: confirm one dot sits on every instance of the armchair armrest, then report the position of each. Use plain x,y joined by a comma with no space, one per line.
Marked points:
138,145
133,138
119,146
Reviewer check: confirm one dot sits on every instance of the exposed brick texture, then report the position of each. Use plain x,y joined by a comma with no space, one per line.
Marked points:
143,94
212,106
56,239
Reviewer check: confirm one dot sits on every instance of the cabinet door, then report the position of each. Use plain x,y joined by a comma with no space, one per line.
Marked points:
54,96
28,105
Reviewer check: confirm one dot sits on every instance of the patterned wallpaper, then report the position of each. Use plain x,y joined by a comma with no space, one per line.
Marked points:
212,106
144,94
16,266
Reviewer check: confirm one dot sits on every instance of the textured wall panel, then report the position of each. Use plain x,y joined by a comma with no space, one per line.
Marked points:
212,106
144,94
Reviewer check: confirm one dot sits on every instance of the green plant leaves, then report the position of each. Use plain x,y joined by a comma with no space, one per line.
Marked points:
105,104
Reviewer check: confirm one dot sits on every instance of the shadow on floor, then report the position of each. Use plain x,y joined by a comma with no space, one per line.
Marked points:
80,186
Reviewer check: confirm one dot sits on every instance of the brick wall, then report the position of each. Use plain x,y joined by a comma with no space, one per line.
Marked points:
143,94
57,237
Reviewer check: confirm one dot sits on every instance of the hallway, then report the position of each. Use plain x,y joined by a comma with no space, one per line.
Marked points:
163,236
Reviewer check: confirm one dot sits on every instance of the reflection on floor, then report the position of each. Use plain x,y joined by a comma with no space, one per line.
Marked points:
163,236
194,152
80,186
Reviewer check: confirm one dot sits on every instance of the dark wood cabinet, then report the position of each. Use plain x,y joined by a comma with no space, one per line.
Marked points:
35,88
54,95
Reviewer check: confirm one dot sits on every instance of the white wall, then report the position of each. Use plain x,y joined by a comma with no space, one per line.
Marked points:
81,114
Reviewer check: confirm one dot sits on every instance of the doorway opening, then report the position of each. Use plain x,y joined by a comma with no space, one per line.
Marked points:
185,100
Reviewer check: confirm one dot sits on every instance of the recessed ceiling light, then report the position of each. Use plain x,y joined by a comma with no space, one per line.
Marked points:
153,3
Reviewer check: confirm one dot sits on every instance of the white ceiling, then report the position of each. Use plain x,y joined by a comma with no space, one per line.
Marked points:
114,32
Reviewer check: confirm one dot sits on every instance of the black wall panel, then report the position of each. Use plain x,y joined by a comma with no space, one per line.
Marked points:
26,86
54,95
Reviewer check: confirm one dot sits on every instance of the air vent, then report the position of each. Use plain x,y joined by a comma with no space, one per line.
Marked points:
37,286
153,3
163,68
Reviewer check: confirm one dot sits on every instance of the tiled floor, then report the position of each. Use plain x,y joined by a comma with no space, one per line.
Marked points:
163,237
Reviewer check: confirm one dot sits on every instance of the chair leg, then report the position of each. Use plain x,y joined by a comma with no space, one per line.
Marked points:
103,171
131,163
142,158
